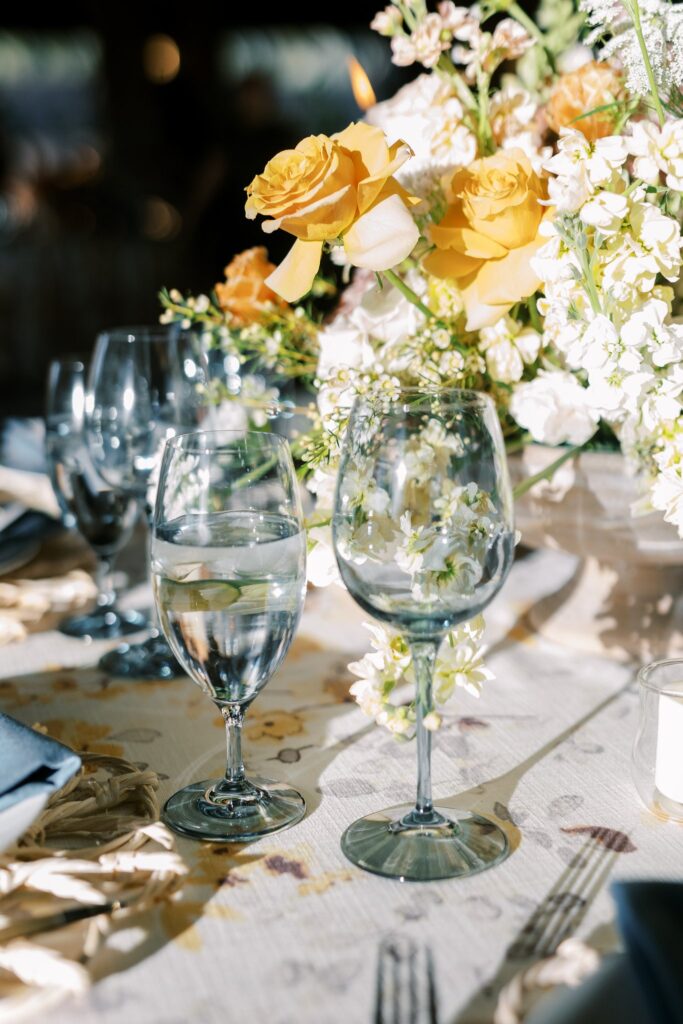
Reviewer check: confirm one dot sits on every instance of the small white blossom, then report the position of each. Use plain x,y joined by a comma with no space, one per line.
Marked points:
554,408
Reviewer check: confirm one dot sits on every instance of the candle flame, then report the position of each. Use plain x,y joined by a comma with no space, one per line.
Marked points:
363,92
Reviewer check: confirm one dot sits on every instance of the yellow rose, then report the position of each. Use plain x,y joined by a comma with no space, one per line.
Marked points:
489,233
341,187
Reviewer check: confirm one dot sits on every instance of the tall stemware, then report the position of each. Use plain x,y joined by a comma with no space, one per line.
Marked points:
105,517
229,574
423,534
146,384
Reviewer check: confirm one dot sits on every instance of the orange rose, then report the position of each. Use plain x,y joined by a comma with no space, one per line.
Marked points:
488,235
244,293
590,86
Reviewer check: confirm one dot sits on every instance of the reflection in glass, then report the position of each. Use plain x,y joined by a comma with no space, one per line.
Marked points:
423,533
229,574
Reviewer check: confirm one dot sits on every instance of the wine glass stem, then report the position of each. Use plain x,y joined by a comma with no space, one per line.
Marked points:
154,621
106,595
233,717
424,657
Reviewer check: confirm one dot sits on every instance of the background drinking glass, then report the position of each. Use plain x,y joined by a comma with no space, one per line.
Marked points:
229,574
423,534
147,384
103,515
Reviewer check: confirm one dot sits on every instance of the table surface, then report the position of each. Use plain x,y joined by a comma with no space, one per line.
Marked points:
286,930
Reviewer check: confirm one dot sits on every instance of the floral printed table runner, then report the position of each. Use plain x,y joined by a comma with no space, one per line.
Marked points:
286,930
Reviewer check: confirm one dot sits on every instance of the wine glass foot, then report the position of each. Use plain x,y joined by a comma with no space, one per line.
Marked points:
398,843
104,624
254,810
151,659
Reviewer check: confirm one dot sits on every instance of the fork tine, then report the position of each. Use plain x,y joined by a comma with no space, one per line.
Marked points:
405,990
531,933
412,986
601,871
570,912
565,905
432,999
379,1017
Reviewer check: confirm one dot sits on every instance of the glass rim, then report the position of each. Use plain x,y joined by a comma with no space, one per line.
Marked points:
462,395
670,689
178,442
146,332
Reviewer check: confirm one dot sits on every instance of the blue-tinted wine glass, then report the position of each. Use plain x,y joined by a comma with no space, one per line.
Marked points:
145,385
104,516
423,534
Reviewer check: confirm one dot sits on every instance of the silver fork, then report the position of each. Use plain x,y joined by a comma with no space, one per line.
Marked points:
406,990
563,909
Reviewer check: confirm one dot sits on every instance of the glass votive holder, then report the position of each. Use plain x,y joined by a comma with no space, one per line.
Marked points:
657,762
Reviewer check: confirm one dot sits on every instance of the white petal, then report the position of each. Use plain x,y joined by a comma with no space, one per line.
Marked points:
382,237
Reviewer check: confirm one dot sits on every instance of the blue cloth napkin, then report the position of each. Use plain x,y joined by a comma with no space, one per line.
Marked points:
22,444
30,763
650,916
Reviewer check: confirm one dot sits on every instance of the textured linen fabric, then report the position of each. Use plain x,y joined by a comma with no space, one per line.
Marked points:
285,930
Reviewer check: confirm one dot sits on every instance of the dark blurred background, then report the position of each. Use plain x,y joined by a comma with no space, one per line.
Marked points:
126,141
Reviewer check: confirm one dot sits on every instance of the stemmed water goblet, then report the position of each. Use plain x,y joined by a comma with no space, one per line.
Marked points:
229,577
104,516
423,534
146,384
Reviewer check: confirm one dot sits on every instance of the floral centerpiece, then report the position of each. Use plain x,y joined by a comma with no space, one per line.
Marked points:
509,221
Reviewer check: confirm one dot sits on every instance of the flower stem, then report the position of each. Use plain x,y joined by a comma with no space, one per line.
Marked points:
532,28
633,8
449,70
405,290
548,472
484,133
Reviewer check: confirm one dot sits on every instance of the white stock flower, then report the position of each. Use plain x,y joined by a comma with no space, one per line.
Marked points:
343,344
510,39
667,495
614,392
658,151
454,19
512,113
574,58
632,260
323,483
647,328
508,347
554,408
580,167
388,21
321,563
385,315
427,115
605,211
460,662
424,45
605,348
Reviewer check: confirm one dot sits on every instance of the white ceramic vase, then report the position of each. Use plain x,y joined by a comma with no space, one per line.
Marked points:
625,599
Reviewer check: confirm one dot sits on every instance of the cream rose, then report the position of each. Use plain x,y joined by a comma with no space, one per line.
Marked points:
489,234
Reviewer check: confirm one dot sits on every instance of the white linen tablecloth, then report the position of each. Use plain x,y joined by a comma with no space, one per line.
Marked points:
286,930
